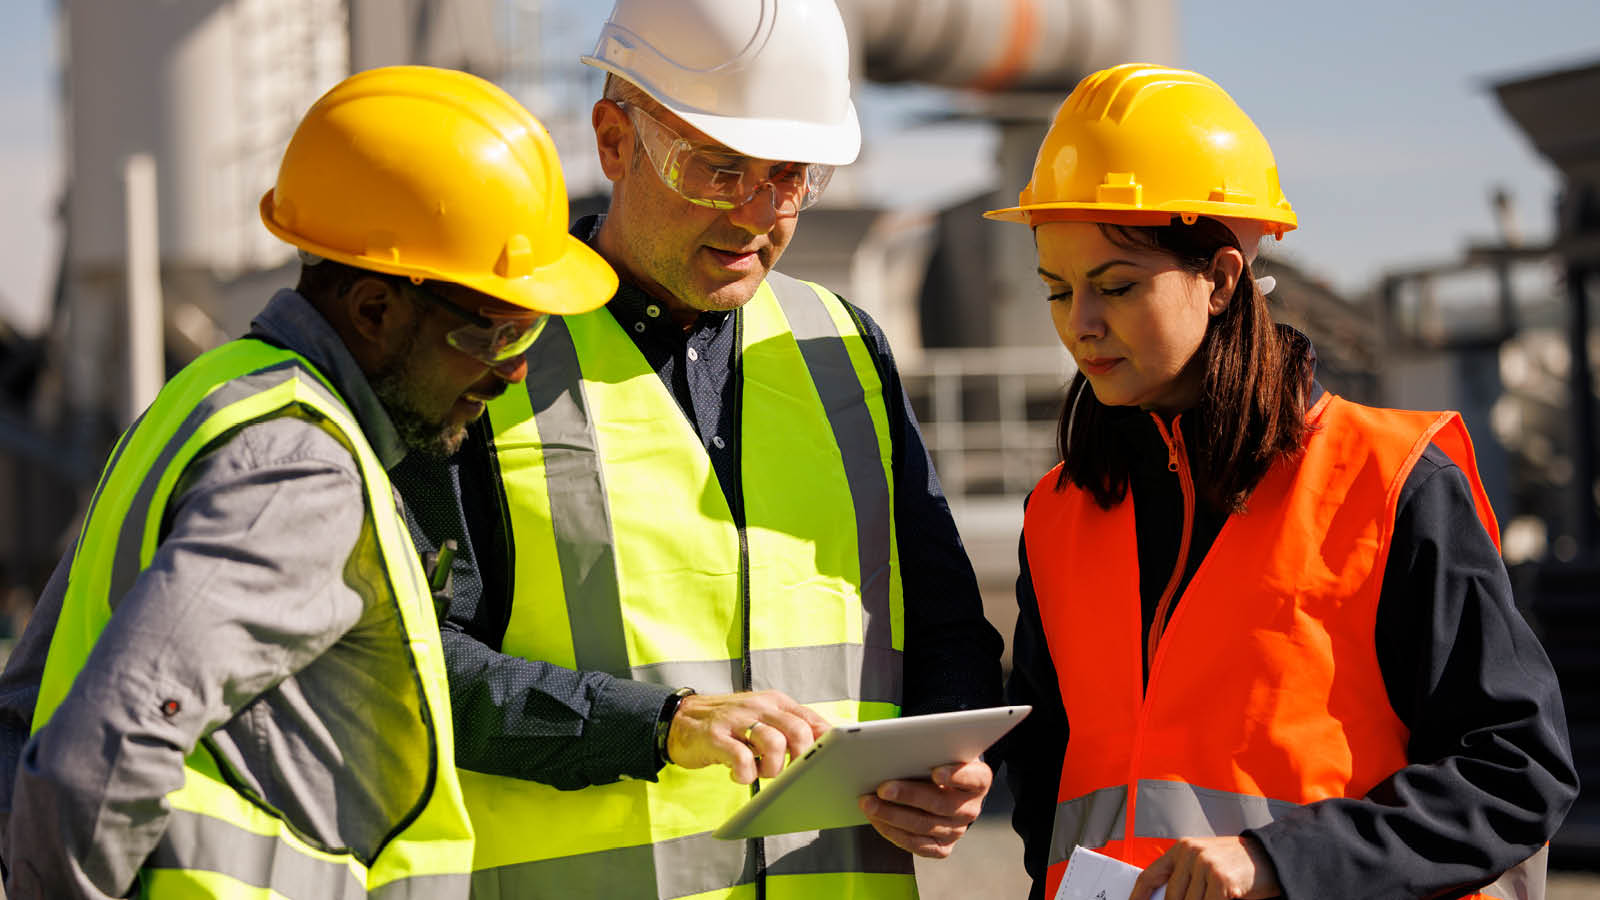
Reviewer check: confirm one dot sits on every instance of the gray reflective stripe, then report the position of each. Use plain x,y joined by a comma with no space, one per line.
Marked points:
125,565
1092,820
858,849
674,868
690,865
423,887
842,397
1173,809
579,513
1524,881
808,674
198,842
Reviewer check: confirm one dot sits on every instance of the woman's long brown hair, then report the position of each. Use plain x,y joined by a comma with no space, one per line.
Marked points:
1252,399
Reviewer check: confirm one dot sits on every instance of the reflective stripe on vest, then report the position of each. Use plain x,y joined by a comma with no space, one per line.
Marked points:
1173,809
1292,585
220,842
627,560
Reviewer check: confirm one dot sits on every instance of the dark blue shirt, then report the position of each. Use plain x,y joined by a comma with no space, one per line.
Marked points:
533,720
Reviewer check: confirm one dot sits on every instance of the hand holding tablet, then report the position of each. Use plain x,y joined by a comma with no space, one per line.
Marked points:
822,789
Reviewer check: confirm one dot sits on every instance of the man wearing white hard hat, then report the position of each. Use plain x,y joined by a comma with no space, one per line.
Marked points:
708,527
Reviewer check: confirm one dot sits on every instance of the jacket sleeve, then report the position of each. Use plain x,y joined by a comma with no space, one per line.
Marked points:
952,653
1491,774
1033,751
245,588
540,722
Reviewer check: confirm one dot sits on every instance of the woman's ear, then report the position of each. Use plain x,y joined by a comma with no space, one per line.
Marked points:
1227,265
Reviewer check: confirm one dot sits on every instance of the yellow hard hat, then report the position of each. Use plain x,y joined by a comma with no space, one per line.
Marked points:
1139,144
435,174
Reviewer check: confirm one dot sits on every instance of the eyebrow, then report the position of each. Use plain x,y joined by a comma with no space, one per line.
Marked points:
1097,270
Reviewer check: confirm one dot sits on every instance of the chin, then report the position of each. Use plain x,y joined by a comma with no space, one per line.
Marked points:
728,297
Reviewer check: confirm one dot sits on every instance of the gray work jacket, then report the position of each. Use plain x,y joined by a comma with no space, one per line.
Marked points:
264,620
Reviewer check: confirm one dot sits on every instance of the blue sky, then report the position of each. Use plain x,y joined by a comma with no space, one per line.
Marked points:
1387,137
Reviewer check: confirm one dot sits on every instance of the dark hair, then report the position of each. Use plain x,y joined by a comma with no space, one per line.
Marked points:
329,279
1252,397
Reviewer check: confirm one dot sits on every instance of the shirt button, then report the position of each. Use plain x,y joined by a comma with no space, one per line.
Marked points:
639,327
652,310
718,442
693,354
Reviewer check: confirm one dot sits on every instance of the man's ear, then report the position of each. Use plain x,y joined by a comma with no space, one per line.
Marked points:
379,316
1227,265
613,138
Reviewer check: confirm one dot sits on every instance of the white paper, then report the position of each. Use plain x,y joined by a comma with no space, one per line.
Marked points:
1095,876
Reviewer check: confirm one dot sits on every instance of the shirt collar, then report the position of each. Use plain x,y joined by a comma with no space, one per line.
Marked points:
290,321
631,304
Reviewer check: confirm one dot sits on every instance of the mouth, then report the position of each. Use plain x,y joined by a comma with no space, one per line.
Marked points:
1099,365
476,402
740,260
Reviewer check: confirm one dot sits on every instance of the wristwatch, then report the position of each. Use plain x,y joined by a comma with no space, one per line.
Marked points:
664,721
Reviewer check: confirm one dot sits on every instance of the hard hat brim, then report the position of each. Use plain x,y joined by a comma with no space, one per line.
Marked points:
576,281
782,140
1042,213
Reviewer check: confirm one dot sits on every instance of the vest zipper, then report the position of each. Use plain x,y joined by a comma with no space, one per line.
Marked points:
1177,461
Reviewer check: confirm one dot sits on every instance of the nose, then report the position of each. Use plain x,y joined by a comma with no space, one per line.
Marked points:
1079,319
512,370
758,214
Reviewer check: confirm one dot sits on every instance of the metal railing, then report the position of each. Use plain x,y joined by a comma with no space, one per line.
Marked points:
988,415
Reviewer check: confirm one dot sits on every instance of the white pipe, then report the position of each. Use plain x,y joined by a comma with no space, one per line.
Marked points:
146,367
1006,45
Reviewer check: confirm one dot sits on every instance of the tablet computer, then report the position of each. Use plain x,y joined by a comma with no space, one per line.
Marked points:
819,789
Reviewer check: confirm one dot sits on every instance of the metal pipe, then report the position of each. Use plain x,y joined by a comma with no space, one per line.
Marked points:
1586,528
1006,45
146,368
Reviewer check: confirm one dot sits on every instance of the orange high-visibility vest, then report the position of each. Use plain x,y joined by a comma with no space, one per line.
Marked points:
1264,689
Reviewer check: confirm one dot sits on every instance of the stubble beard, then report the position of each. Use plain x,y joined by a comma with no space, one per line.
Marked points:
392,382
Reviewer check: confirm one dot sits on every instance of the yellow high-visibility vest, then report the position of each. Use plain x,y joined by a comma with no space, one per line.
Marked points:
627,560
220,842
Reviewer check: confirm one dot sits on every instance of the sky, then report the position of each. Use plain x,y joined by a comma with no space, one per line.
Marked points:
1380,114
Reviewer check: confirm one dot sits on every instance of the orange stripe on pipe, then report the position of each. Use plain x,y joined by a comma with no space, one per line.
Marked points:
1003,72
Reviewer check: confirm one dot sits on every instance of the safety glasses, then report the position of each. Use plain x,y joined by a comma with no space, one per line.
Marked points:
494,338
714,176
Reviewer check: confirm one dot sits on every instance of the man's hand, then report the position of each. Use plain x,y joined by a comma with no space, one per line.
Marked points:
928,818
1218,868
750,733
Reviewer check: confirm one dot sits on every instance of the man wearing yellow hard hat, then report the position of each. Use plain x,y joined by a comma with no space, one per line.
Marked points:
233,684
719,527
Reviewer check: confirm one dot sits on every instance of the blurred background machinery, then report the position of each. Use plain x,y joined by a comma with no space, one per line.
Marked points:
175,115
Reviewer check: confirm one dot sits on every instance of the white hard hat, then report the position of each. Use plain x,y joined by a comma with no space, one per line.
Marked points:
767,78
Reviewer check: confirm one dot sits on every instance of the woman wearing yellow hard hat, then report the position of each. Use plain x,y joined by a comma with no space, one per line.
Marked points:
1267,633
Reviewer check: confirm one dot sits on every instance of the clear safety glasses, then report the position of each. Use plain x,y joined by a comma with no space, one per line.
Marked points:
715,176
494,338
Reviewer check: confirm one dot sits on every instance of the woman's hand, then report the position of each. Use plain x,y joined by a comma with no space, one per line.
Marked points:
1218,868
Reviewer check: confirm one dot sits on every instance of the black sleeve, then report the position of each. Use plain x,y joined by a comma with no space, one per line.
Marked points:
541,722
952,653
1491,772
516,717
1033,751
